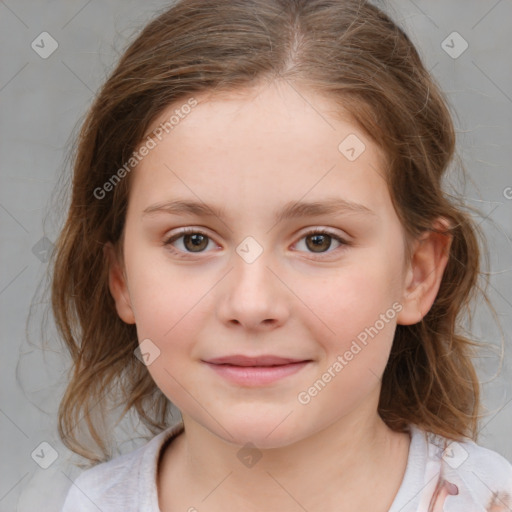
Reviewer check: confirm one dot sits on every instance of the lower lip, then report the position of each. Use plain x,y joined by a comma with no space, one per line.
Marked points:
256,375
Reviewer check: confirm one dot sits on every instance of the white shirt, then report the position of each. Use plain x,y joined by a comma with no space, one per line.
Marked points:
127,483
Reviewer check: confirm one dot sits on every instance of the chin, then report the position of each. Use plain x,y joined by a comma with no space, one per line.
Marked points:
263,431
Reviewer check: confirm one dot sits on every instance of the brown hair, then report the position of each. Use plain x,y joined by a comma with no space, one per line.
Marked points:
347,50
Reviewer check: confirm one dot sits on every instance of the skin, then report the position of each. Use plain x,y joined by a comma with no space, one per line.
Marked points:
250,153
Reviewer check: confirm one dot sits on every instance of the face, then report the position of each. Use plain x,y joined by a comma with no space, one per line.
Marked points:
259,273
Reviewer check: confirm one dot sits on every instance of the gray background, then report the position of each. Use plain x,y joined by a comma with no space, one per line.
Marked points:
42,101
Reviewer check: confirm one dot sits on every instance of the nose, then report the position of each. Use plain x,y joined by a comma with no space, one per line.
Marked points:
254,296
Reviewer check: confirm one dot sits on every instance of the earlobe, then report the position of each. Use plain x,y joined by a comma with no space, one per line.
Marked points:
428,261
117,285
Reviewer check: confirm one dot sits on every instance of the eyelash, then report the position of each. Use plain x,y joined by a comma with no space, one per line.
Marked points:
188,231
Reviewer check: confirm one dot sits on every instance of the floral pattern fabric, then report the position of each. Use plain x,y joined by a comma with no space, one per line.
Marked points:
460,477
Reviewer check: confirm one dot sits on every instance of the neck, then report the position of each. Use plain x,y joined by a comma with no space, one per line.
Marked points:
315,473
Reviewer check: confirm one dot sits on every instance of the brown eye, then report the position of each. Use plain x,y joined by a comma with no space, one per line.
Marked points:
318,242
193,241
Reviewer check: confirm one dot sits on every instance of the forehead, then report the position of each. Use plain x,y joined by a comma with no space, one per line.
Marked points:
261,109
269,143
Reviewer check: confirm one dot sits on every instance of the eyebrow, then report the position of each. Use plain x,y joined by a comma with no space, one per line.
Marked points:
292,209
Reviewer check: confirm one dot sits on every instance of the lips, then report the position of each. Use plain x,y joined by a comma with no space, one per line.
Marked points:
266,360
257,371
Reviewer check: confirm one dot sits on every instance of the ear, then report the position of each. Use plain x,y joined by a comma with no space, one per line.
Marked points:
428,261
117,285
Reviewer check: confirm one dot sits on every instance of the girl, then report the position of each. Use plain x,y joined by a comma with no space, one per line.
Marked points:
258,234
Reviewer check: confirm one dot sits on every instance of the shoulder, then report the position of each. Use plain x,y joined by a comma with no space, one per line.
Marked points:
481,475
469,458
121,484
111,483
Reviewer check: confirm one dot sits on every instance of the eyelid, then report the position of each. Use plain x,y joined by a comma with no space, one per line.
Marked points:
341,239
310,231
326,231
167,242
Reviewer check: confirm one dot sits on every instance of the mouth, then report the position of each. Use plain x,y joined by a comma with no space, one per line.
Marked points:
255,371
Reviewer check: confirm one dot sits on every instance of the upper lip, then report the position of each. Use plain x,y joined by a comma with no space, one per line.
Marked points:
266,360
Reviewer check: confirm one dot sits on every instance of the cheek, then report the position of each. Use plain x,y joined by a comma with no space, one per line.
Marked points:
355,314
167,315
166,299
168,312
354,295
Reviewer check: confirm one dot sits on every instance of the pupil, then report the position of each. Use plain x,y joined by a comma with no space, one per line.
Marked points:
196,239
317,242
